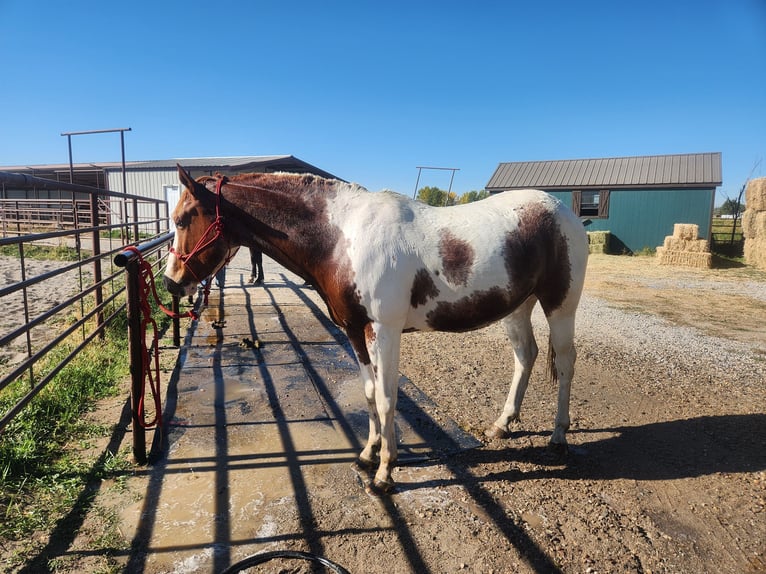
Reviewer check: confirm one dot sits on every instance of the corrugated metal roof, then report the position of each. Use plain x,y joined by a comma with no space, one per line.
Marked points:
681,170
233,164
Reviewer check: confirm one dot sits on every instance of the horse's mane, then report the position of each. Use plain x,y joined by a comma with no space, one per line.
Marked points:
275,180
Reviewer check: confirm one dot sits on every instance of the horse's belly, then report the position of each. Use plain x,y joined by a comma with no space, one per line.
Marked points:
465,314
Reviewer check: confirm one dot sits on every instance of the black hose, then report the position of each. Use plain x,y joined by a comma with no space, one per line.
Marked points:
256,559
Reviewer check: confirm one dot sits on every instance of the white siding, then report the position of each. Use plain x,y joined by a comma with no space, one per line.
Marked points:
146,183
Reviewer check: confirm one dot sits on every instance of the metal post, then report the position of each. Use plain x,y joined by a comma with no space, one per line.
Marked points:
71,165
452,177
25,296
135,340
136,239
96,238
417,181
122,150
176,322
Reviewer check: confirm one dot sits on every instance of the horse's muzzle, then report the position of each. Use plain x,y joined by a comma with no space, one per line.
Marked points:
173,288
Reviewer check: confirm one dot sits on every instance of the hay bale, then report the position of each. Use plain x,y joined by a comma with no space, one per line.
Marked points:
684,258
599,237
686,230
754,224
598,241
755,252
683,248
695,245
755,194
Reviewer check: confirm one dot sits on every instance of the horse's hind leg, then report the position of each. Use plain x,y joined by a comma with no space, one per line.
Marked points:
518,326
562,342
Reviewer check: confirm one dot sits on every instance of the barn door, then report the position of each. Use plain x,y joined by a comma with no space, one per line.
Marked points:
172,195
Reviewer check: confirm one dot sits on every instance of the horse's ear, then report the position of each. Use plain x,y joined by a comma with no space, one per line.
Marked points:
186,179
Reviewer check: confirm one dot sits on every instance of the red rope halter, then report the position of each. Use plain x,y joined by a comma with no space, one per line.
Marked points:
216,227
151,369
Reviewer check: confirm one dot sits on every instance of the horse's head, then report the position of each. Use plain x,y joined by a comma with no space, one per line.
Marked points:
199,249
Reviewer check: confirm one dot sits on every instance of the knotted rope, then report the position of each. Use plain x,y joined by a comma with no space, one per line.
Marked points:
151,369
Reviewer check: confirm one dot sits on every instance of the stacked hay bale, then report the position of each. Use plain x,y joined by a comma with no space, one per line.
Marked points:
754,223
684,248
598,241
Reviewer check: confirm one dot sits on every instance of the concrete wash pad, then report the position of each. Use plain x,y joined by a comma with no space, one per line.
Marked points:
264,412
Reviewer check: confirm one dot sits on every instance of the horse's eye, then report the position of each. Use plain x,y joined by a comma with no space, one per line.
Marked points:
179,224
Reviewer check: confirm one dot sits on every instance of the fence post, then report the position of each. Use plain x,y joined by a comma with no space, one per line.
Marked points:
96,223
135,340
136,238
176,322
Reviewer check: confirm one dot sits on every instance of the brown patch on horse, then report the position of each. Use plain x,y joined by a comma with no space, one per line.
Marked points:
423,288
537,261
537,257
457,257
476,310
369,333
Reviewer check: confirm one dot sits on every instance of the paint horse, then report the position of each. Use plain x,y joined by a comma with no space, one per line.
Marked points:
385,265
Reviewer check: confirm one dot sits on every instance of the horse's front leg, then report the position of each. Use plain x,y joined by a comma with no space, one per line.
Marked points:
383,344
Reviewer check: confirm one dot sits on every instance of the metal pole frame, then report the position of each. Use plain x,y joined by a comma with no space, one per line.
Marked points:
420,169
96,236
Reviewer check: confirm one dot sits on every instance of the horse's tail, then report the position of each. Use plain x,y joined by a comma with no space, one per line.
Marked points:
553,375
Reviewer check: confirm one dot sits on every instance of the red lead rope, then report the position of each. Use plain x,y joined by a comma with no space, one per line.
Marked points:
151,372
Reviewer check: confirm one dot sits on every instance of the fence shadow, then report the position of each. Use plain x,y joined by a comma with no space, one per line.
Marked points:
669,450
224,462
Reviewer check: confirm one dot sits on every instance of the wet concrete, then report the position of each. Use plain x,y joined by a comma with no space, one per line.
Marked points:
264,412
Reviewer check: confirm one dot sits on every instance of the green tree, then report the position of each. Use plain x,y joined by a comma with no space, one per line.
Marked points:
473,195
439,197
436,197
731,207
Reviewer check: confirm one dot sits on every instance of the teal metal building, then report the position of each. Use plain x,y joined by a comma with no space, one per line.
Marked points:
637,199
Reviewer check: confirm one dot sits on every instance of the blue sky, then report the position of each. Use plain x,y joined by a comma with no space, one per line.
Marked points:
370,90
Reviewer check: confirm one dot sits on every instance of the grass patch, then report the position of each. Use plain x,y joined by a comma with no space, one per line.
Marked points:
50,469
50,252
37,479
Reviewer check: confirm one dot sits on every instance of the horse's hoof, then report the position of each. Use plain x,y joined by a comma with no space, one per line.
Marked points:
363,464
381,487
496,432
558,448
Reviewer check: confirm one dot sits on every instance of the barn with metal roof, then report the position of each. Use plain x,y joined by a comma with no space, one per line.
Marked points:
638,199
155,179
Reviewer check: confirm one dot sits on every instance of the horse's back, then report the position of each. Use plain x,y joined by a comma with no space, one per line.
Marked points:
462,267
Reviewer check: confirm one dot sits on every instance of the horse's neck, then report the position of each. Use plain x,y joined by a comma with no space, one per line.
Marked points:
287,221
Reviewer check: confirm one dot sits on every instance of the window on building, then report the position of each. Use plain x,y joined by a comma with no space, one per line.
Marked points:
591,203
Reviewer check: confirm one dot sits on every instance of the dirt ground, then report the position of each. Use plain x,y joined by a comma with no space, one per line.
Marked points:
666,470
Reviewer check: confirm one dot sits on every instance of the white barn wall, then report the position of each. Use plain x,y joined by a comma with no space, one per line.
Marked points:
146,183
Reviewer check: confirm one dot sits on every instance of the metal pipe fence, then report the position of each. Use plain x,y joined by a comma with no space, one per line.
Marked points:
137,334
60,304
